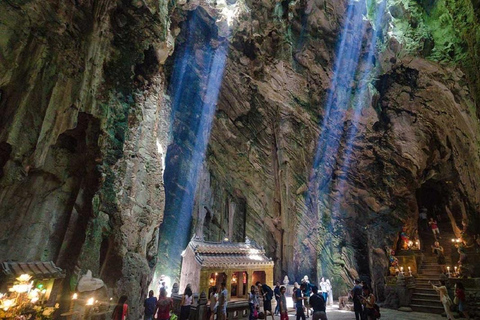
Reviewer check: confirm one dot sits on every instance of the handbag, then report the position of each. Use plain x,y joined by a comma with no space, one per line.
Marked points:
456,301
173,316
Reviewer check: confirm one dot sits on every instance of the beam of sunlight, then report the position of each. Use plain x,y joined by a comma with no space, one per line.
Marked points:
361,97
195,84
353,69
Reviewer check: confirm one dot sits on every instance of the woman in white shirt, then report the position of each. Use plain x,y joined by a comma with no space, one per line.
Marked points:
187,300
213,302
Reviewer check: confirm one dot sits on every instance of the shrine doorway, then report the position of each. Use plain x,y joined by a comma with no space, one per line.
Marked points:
259,276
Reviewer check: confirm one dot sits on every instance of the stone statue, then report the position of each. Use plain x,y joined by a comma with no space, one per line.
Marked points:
175,288
89,283
286,281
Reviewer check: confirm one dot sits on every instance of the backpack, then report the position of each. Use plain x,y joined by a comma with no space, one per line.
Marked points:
376,311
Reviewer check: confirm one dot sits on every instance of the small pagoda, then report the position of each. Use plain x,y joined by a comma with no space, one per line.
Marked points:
239,264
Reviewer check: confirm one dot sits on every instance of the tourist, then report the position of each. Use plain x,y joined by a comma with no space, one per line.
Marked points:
299,301
324,288
317,302
149,306
283,304
222,302
267,295
276,292
444,298
368,300
423,219
121,309
306,295
434,226
461,299
330,293
164,305
213,303
253,303
186,303
356,294
164,285
438,250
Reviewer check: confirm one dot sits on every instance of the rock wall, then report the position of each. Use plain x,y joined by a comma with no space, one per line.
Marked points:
84,127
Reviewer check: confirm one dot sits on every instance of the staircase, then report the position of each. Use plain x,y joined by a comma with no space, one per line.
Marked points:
425,298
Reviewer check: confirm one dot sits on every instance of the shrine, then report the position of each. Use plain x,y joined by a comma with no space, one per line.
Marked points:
240,265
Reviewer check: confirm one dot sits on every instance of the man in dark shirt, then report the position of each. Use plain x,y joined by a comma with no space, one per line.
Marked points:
356,294
299,302
149,305
276,292
318,304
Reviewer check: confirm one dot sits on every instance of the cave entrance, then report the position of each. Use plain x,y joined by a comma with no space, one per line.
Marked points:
433,196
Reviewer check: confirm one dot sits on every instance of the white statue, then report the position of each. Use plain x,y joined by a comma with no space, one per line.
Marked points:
88,283
286,281
305,279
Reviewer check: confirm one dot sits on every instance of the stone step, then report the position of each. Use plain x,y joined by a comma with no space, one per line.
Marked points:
427,309
426,302
425,290
426,278
429,272
430,295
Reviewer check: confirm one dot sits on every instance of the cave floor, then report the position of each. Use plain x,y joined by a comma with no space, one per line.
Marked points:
334,314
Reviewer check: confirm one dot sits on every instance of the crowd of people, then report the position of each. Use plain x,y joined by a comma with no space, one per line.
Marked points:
308,299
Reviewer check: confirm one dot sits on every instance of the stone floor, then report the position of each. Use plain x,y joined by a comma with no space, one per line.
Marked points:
387,314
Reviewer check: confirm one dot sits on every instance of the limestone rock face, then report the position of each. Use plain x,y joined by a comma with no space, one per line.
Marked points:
84,128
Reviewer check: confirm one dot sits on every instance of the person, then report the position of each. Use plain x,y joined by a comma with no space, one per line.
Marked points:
438,250
356,294
164,285
164,305
121,309
267,294
368,300
324,288
253,303
299,302
213,303
222,302
186,303
330,293
317,302
306,295
461,299
149,304
434,226
276,292
444,299
423,219
283,304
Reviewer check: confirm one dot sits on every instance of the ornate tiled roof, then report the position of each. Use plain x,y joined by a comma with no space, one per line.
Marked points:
37,269
228,254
